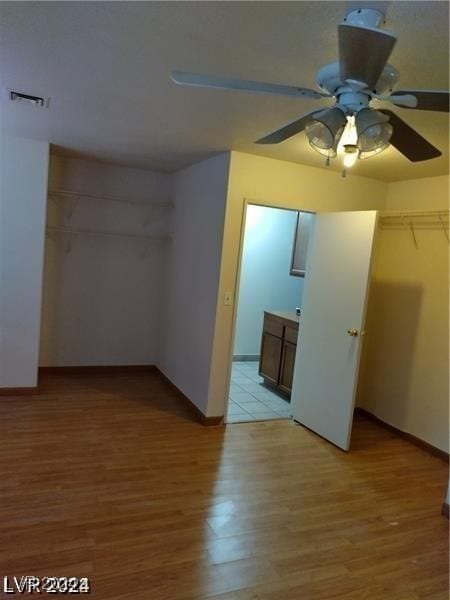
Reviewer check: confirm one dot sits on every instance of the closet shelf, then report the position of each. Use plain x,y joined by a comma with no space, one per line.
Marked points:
412,221
431,219
74,196
68,230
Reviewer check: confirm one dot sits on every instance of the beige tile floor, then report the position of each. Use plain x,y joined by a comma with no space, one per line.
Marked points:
250,399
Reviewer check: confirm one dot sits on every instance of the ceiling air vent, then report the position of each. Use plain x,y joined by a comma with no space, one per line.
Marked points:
28,99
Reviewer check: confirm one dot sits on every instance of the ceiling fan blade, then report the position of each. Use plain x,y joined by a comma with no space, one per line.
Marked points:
404,100
226,83
407,141
436,100
286,131
363,53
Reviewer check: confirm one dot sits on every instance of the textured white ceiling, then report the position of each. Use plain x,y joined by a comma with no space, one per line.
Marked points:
106,66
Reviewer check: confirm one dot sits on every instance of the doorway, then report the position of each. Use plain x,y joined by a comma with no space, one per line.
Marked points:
324,364
267,314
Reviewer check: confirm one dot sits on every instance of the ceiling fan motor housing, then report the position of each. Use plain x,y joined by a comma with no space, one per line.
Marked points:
329,81
365,17
351,102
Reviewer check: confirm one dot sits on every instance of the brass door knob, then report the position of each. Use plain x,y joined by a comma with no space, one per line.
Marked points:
352,332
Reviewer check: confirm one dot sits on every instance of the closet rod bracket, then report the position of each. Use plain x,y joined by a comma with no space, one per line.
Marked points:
444,228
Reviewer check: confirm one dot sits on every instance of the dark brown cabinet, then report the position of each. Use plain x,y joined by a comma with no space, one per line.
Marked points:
278,346
269,363
287,367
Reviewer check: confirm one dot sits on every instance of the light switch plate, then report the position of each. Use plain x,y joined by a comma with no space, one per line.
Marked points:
228,298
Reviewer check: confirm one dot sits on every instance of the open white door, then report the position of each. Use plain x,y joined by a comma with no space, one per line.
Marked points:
332,323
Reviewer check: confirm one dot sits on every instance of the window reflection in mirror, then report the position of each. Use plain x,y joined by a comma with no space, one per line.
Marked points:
300,245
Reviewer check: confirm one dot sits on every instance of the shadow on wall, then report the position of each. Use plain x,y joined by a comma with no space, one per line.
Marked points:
54,253
388,353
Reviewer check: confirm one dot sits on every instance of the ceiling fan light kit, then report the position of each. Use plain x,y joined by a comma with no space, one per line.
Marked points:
350,155
352,127
347,145
325,128
374,132
362,135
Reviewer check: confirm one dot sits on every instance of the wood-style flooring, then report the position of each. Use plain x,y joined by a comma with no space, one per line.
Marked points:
111,478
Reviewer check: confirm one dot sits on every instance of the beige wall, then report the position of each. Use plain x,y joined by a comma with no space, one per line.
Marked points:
283,184
428,193
192,277
404,378
405,367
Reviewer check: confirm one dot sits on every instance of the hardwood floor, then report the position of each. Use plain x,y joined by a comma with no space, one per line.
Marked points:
109,477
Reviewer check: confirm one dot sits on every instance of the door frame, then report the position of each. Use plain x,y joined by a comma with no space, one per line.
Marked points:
246,202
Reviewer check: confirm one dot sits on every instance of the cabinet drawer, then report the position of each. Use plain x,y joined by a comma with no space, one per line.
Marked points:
291,334
273,326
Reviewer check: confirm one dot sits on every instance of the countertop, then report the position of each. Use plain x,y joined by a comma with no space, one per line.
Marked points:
284,314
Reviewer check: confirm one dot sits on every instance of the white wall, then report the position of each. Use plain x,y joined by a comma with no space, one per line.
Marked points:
265,283
24,169
193,277
277,183
102,300
405,364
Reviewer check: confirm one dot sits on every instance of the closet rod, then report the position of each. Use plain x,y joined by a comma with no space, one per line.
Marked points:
74,195
53,229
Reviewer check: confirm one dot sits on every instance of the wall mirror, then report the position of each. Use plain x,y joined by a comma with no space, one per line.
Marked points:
300,245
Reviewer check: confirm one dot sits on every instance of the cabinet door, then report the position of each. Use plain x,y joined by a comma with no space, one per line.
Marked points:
287,366
269,362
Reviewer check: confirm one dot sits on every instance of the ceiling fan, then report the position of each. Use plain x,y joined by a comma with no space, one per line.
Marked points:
362,74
